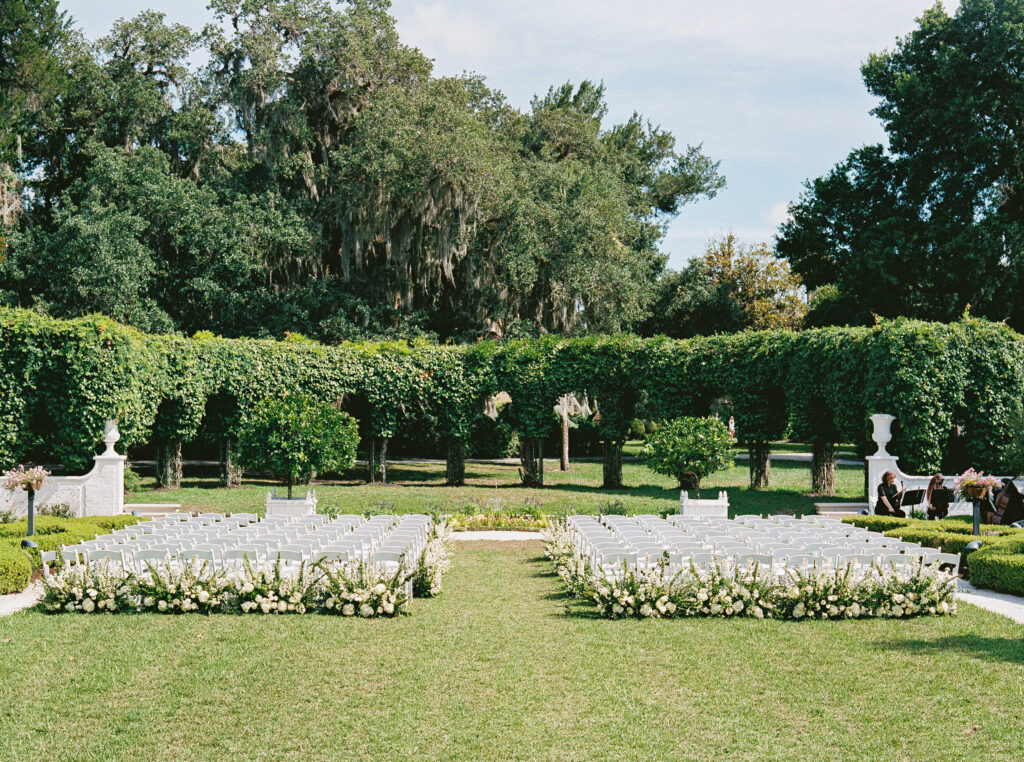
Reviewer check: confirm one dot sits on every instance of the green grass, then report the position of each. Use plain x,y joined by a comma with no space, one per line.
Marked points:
490,486
504,667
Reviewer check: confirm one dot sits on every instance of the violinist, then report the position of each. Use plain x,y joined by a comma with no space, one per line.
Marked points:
937,498
889,497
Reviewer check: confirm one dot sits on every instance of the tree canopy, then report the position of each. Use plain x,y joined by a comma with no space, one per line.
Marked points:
733,286
933,222
311,174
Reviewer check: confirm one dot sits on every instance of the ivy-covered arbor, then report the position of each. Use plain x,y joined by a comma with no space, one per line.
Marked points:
62,379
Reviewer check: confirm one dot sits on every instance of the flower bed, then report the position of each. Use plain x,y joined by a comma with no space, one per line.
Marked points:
482,521
727,591
345,589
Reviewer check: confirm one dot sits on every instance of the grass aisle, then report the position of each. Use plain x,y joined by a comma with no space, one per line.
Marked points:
496,669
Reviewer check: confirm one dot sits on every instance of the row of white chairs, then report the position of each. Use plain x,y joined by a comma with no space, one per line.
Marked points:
619,541
232,541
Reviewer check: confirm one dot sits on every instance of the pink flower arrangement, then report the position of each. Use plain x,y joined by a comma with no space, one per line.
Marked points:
25,478
972,478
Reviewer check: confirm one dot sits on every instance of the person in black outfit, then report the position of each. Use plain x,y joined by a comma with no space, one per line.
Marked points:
937,498
888,502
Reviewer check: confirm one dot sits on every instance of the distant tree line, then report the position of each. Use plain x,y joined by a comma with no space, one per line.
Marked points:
310,174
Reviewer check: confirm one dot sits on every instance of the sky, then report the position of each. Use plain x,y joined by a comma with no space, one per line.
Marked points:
772,90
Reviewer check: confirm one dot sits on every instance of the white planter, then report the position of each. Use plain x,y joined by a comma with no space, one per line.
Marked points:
882,433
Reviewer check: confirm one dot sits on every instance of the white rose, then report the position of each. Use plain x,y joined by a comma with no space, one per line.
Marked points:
380,588
69,606
366,610
161,606
203,596
646,610
148,601
617,609
389,608
282,606
348,609
88,605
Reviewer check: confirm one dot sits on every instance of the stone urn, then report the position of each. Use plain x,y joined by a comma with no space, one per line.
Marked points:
882,433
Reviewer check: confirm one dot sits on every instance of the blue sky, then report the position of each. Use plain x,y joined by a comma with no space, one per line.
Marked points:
771,89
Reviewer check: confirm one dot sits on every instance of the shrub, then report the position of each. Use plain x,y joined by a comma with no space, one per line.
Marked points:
612,508
132,481
997,570
59,510
688,449
15,569
295,438
7,516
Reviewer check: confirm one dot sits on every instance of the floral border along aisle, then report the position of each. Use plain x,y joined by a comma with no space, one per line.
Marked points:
346,589
732,591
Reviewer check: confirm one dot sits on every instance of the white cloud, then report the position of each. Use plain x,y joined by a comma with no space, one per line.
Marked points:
778,214
452,34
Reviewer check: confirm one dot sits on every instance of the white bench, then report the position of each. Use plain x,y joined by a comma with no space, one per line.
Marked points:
716,508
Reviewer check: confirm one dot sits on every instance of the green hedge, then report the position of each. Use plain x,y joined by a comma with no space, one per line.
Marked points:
1000,566
60,380
15,569
17,564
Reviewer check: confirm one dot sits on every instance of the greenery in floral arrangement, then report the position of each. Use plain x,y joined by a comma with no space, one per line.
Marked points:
358,589
295,438
434,562
507,521
688,449
179,589
272,590
345,589
726,591
92,588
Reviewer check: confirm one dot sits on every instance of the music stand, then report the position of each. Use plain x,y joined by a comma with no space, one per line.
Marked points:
913,497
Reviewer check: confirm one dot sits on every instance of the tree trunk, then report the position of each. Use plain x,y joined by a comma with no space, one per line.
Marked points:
289,490
162,476
612,465
564,464
540,462
168,464
377,460
530,473
760,465
230,473
823,468
455,465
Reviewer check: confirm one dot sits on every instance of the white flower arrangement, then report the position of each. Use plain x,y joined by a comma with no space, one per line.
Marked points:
352,588
735,591
179,590
95,589
434,562
345,589
272,590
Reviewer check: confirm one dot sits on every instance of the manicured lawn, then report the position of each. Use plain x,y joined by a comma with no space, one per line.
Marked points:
503,667
493,486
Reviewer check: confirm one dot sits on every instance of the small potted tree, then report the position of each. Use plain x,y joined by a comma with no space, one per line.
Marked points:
688,449
295,438
31,480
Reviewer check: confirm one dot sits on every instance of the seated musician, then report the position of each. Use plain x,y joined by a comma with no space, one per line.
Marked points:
889,497
937,498
1007,505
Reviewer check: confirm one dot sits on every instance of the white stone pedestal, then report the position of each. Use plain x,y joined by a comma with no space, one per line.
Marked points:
290,508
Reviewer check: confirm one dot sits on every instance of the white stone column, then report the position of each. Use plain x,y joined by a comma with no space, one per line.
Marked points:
881,461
